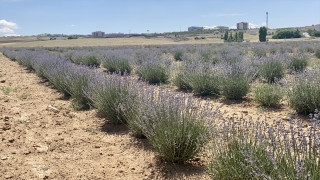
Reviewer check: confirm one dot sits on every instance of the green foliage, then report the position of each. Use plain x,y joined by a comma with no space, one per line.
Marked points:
313,33
73,37
263,34
234,86
115,64
298,62
177,55
304,96
271,70
238,37
286,33
268,95
153,73
112,98
226,36
86,59
203,83
241,161
317,53
180,81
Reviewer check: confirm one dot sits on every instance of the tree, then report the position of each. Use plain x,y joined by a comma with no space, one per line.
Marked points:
226,36
263,34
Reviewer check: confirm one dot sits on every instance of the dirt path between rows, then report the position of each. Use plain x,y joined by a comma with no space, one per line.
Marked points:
37,142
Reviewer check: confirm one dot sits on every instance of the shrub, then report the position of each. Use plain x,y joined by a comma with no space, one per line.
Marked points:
173,123
298,62
234,86
204,83
268,95
241,161
153,72
317,53
57,73
272,69
177,55
180,81
115,62
76,80
110,95
199,76
259,150
85,58
304,96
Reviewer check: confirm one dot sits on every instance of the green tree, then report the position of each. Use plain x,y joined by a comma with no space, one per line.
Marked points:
263,34
226,35
236,37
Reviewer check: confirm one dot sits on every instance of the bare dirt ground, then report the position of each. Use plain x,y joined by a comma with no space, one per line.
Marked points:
37,142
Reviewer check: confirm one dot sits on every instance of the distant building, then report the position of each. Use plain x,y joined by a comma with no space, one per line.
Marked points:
252,33
242,25
317,27
222,27
195,28
98,34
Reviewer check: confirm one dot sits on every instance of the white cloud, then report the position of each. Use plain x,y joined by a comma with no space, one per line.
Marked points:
8,24
6,30
11,35
72,25
233,27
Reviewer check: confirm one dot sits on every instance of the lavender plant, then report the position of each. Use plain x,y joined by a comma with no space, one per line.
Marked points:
304,96
85,58
110,95
173,123
154,71
298,62
268,95
77,79
317,53
117,62
272,68
260,150
235,79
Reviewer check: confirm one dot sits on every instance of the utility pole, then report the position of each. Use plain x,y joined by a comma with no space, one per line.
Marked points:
267,21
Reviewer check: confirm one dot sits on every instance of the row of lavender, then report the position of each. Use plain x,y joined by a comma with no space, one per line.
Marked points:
178,126
217,69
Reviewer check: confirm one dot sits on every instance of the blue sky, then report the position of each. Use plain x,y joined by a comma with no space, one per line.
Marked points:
32,17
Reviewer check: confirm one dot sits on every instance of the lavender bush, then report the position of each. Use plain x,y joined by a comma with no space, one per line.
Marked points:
317,53
77,79
175,124
268,95
304,96
117,62
110,95
154,71
272,68
298,62
259,150
85,58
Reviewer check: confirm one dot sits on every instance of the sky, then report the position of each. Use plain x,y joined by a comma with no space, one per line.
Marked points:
33,17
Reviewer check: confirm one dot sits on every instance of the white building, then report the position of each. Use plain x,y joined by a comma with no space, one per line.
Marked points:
98,34
221,27
195,28
317,27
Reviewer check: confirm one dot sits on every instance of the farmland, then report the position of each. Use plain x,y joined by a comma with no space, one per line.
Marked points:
157,103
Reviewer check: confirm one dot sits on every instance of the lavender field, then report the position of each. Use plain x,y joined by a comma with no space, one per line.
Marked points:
165,92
